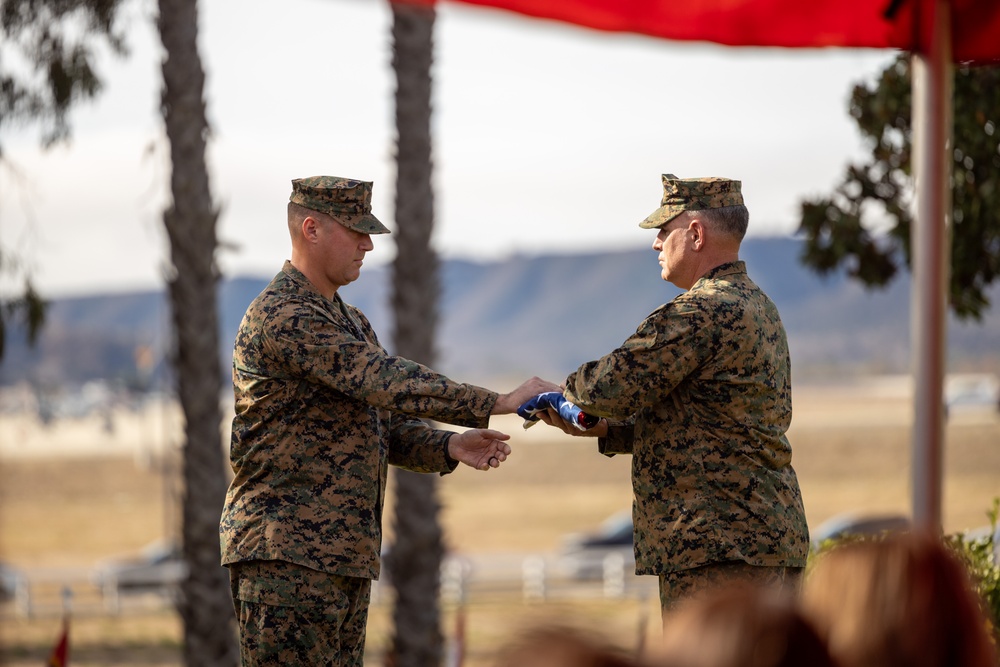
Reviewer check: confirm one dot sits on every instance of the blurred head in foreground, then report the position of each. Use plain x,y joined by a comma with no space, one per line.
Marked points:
903,600
745,626
559,646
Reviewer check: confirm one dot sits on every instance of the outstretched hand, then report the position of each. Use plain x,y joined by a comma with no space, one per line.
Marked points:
509,403
479,448
552,418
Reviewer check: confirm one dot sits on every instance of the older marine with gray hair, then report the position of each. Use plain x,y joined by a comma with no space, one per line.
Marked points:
700,396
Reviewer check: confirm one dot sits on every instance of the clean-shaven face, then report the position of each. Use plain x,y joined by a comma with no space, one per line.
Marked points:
343,251
673,245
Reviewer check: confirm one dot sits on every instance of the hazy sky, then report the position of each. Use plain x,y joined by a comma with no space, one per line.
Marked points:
548,138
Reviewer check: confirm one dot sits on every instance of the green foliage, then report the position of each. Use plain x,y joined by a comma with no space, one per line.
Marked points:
28,308
841,230
978,552
55,41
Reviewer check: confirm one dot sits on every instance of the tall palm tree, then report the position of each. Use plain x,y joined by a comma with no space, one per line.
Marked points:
206,606
415,558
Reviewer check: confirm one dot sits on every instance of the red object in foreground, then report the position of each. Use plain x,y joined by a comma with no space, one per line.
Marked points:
788,23
60,652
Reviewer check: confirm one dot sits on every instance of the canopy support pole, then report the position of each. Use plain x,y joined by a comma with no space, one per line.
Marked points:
931,247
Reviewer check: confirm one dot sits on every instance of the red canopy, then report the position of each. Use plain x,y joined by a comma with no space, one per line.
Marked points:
790,23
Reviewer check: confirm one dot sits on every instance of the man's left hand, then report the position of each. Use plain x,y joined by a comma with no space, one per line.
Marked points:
479,448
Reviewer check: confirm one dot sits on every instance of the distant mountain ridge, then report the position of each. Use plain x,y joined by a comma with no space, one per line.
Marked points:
502,321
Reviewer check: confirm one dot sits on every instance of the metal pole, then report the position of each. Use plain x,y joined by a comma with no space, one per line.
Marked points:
932,104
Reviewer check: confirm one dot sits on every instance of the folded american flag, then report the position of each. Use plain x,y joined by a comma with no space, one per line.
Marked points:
553,399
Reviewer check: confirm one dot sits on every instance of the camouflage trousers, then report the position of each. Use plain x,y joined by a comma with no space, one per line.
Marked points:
293,615
676,586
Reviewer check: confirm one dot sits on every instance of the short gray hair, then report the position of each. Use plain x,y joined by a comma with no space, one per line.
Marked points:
731,220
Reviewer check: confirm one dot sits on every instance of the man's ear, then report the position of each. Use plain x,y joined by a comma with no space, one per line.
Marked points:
697,231
310,228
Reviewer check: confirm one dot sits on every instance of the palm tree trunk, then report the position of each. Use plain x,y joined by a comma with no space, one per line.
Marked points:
206,605
415,561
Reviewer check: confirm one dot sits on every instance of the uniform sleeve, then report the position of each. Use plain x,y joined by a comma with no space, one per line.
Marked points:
416,446
304,341
619,439
669,345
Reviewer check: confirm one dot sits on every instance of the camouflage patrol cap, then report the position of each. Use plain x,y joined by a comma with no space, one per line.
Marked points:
692,194
345,199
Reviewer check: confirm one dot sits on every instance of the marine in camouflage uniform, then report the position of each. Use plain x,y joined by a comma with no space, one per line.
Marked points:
322,410
700,396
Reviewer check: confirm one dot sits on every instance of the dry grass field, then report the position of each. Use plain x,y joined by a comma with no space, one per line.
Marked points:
61,514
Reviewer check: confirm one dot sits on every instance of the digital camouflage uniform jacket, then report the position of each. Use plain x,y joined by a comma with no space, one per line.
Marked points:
321,410
700,396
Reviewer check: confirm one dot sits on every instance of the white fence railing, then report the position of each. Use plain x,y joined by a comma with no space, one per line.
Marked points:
534,577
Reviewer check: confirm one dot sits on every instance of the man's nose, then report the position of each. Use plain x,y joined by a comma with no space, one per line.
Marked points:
366,242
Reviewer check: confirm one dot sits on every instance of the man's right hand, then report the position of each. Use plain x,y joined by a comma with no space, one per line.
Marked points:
552,418
509,403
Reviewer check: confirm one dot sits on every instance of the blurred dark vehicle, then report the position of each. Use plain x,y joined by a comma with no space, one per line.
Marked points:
854,525
585,555
159,568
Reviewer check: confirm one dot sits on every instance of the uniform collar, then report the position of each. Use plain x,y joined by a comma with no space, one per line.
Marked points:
300,280
722,270
727,269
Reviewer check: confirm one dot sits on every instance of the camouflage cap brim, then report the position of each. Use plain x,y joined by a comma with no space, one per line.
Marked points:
661,216
366,224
